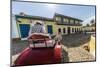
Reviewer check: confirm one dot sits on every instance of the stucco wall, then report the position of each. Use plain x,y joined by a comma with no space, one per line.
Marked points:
14,30
55,27
92,45
88,28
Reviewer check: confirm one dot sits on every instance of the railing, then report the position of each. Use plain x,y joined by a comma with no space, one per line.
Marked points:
64,23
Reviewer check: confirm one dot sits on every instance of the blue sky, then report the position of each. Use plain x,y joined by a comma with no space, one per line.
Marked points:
48,10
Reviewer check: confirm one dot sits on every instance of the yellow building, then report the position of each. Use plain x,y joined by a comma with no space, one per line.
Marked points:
89,28
59,23
92,45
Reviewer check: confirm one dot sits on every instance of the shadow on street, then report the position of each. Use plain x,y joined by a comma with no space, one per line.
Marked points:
75,40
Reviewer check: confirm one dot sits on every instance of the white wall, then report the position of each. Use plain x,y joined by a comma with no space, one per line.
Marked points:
14,30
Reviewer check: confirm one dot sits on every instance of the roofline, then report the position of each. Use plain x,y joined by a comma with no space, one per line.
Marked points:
35,17
67,17
45,18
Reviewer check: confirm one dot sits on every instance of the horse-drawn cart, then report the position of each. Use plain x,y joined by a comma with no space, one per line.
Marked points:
42,50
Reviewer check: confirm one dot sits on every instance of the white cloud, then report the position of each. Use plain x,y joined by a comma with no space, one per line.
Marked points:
88,20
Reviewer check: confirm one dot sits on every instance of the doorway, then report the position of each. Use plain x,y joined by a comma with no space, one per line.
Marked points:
68,30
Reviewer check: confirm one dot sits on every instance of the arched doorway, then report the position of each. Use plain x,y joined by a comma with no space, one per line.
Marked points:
68,30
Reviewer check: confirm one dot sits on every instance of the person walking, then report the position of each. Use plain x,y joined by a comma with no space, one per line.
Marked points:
58,38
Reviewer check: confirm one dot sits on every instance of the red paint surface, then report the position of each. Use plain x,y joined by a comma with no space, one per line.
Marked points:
46,55
39,56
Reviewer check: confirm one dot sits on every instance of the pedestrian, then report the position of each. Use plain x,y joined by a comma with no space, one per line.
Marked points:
58,38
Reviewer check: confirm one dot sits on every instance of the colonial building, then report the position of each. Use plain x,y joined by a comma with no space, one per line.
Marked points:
59,23
14,28
89,28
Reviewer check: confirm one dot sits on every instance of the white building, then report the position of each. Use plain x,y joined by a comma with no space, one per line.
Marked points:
14,30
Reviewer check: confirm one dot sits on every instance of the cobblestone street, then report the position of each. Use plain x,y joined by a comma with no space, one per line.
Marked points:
76,54
73,50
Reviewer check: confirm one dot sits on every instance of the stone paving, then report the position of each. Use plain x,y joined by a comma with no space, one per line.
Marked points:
77,54
73,50
17,46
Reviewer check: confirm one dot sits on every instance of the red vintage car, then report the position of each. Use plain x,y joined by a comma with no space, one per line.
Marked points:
42,50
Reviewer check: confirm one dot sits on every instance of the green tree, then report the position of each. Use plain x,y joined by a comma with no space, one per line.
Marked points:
92,22
87,25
